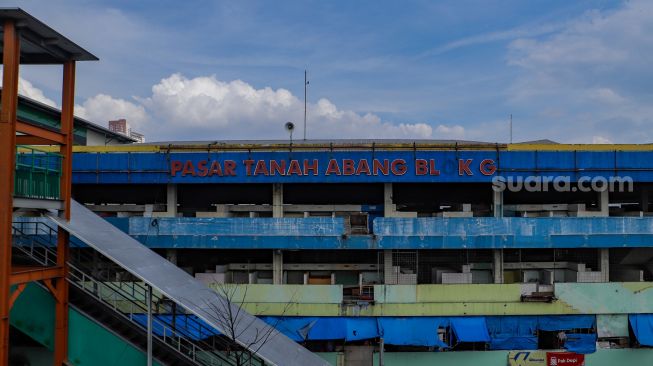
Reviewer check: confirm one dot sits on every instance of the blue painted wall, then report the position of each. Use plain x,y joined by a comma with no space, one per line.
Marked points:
155,167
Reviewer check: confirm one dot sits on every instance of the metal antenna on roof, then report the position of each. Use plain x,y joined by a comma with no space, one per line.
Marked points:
511,128
305,92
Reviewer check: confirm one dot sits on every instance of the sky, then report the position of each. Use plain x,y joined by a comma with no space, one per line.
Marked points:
569,71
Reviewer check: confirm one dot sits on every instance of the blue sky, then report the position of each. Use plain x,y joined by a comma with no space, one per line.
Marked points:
571,71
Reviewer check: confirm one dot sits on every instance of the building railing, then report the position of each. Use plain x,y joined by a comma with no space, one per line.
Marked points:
38,174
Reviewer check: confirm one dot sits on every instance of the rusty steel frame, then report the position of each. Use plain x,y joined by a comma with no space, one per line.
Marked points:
54,278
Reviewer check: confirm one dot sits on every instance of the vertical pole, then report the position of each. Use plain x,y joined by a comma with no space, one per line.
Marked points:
10,63
381,346
305,93
66,151
149,324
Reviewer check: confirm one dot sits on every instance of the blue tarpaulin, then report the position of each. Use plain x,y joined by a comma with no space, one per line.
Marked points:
512,332
412,331
295,328
328,328
565,322
642,325
186,325
581,343
470,329
361,328
513,343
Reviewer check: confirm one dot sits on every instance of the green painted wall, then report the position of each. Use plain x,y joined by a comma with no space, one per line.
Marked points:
88,343
614,357
450,300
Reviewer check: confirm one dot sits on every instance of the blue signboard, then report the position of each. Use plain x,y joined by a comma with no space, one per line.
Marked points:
354,166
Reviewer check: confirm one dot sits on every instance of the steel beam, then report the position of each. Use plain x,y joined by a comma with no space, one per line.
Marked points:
55,138
32,140
9,102
66,151
30,274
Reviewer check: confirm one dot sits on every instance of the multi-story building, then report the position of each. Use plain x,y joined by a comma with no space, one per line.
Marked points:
436,252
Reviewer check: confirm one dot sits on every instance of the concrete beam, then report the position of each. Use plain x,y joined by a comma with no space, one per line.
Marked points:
277,200
277,267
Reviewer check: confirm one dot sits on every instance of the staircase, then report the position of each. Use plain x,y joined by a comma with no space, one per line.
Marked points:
120,306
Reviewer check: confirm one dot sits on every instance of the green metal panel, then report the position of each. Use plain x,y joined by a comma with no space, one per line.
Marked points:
91,344
88,343
33,314
27,114
38,174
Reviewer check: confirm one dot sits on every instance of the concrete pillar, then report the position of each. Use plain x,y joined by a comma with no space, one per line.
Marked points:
171,256
497,265
388,205
277,200
497,203
644,200
277,267
604,202
171,200
604,264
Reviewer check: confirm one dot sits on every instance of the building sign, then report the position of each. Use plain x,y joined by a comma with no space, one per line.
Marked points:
258,166
544,358
564,359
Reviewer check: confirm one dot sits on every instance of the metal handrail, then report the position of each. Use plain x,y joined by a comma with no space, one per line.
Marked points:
176,337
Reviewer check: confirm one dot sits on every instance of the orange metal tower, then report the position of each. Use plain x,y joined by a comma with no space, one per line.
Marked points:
26,40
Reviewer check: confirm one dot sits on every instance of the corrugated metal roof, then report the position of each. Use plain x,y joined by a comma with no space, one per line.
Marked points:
41,44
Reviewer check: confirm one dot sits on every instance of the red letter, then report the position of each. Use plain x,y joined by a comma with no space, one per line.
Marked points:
348,167
175,166
229,167
487,167
294,168
398,167
248,166
433,170
188,169
363,167
383,167
203,170
261,168
420,167
311,167
275,167
216,169
333,167
463,167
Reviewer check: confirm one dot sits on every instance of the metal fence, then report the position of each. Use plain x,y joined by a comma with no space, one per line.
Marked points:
38,174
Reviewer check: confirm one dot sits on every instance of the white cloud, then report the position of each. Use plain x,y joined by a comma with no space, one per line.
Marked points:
595,73
600,140
209,108
206,108
102,108
27,89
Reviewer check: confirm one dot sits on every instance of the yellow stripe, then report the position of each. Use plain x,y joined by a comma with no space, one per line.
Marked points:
580,147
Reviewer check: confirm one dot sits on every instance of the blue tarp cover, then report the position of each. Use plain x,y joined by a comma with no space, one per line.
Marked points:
581,343
361,328
513,343
328,328
565,322
295,328
642,325
470,329
412,331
